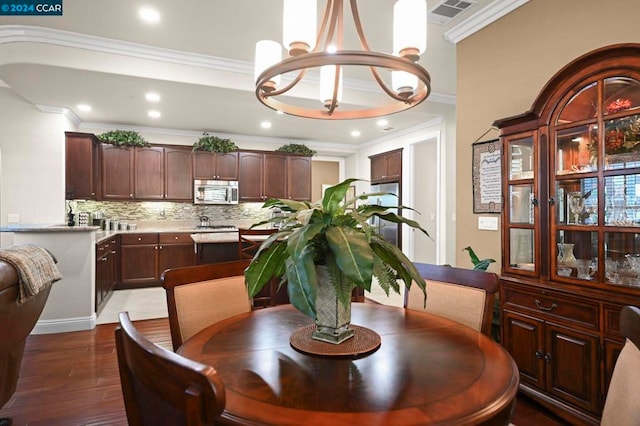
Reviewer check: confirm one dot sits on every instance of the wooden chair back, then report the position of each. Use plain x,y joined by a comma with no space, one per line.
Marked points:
463,295
249,241
198,296
161,387
621,404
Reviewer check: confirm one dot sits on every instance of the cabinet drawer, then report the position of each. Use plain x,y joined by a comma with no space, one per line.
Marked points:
175,237
553,305
132,239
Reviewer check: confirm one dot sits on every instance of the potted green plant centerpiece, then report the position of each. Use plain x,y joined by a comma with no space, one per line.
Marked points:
324,250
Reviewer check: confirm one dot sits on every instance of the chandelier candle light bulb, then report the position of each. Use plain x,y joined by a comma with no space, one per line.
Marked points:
410,83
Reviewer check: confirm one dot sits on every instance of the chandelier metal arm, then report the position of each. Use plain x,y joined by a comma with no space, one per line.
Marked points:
268,93
386,88
323,27
358,25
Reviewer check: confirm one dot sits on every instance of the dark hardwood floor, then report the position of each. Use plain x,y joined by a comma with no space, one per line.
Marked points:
72,379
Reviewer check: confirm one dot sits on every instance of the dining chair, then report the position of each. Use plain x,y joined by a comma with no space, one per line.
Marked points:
249,241
198,296
160,387
463,295
621,404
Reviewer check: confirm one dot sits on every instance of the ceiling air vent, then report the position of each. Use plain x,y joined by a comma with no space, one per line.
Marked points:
446,10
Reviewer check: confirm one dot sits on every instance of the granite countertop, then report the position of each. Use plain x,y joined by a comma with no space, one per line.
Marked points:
198,235
58,227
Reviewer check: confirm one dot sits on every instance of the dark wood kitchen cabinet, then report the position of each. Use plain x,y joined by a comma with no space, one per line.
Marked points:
117,172
82,166
570,230
264,175
215,166
178,184
149,174
386,167
144,256
106,268
175,251
299,177
138,260
163,173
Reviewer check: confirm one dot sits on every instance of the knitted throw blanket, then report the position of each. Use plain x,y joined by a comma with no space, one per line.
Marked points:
36,268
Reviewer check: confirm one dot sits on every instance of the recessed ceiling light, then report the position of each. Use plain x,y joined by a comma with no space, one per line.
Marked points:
355,133
382,122
154,114
83,107
265,125
152,97
149,15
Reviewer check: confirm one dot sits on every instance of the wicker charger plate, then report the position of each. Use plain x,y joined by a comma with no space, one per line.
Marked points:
364,342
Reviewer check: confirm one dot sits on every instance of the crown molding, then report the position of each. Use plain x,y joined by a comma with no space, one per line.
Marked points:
34,34
62,111
403,133
484,17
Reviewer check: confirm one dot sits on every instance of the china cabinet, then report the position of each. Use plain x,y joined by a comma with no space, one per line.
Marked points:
571,229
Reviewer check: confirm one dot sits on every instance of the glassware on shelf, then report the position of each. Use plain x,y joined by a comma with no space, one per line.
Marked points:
565,255
585,268
575,200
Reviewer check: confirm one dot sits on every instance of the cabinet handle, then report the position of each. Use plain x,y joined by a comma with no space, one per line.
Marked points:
113,252
130,195
104,259
534,201
155,247
539,354
139,238
160,247
547,357
552,201
545,308
176,238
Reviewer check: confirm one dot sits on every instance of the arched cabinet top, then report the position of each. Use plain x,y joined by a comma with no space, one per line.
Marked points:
576,78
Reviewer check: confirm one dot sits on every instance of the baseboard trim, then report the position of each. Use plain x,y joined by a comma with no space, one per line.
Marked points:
65,325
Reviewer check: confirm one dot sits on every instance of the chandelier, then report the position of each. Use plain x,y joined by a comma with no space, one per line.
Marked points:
410,82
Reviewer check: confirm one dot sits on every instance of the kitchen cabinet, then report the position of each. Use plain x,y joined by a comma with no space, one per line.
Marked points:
106,264
163,173
117,172
138,260
298,177
82,166
175,251
178,182
273,175
149,174
570,175
144,256
215,166
216,252
386,167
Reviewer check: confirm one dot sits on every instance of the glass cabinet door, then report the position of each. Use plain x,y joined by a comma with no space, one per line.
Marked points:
595,189
520,210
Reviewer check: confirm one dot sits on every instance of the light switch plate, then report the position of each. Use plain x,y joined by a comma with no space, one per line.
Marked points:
488,223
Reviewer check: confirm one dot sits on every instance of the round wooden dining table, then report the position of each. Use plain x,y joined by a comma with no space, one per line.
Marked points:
427,370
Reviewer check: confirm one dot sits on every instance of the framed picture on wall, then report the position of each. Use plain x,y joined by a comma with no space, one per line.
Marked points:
487,176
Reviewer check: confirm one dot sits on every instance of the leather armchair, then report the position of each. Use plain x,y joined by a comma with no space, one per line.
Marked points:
16,322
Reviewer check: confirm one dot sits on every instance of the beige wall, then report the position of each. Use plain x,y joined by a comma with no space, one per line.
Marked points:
503,67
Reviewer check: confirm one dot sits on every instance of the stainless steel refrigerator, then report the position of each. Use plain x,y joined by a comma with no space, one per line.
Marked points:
390,231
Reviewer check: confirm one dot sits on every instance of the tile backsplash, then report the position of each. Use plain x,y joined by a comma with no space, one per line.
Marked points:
141,211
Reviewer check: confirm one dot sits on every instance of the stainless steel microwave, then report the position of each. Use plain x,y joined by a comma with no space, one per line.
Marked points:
215,191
